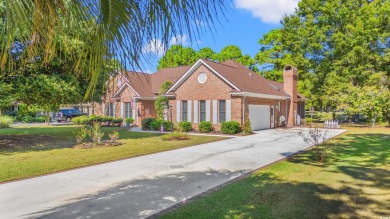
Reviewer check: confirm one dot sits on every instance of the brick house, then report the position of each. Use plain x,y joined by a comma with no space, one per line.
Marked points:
207,91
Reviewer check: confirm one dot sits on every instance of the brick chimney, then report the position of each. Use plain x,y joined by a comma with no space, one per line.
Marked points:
290,79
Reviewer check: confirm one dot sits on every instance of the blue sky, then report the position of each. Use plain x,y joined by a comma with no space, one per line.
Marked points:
246,22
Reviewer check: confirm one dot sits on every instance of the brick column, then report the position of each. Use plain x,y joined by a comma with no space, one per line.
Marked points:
290,79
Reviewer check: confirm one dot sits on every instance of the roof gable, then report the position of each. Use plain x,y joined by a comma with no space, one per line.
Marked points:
192,69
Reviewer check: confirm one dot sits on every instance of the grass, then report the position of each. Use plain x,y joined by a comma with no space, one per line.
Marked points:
353,183
33,151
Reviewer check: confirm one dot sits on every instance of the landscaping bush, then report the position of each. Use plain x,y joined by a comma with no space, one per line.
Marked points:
167,125
81,135
230,127
117,120
247,129
40,119
146,122
155,124
5,121
205,127
129,121
185,126
114,137
28,119
175,136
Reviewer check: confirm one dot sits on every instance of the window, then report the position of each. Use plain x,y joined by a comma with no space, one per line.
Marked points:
110,110
127,110
184,110
222,111
202,110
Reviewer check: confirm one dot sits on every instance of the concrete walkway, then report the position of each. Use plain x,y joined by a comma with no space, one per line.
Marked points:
142,186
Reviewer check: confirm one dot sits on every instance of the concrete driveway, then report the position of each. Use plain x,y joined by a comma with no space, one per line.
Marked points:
140,187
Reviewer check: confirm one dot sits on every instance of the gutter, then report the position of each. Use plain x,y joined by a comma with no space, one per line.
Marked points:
266,96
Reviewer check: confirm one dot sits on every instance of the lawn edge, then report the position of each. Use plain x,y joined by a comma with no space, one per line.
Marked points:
218,187
105,162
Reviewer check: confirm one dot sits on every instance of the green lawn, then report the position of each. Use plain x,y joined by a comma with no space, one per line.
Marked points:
33,151
353,183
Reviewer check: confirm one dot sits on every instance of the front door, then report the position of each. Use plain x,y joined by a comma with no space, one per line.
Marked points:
272,117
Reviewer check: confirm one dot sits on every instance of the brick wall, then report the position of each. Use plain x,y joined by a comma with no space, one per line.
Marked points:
213,89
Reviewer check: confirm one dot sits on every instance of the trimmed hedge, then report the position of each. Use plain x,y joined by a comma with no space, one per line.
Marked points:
205,127
28,119
185,126
230,127
156,124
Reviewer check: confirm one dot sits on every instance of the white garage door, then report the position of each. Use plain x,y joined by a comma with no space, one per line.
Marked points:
259,115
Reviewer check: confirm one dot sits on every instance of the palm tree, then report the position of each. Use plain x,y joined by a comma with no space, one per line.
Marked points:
99,29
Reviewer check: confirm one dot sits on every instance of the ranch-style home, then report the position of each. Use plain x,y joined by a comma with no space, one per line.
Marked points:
207,91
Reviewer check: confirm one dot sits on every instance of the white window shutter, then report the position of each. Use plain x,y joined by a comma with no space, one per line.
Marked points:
103,109
178,105
228,110
208,110
189,110
196,112
215,112
121,111
114,110
165,114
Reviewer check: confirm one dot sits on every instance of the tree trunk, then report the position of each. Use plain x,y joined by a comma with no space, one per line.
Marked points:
47,118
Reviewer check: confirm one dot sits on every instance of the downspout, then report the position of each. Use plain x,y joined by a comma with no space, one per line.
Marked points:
243,109
287,110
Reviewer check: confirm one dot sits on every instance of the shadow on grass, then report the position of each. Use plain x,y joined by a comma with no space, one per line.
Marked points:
22,140
258,196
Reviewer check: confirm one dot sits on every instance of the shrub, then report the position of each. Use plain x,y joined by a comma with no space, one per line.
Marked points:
230,127
168,126
205,127
28,119
40,119
185,126
175,136
146,122
309,120
155,124
5,121
247,129
117,120
114,137
129,120
81,135
95,133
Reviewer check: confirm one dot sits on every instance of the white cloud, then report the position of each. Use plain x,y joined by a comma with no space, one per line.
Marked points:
156,47
269,11
179,40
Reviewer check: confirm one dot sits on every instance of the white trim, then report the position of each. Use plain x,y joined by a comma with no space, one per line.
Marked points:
121,111
215,112
196,111
267,96
145,98
178,111
228,110
189,110
190,71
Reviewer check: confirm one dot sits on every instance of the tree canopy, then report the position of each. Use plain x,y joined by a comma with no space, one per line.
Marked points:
108,28
178,55
336,45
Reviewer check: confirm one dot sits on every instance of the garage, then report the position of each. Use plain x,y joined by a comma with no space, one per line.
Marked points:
259,116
